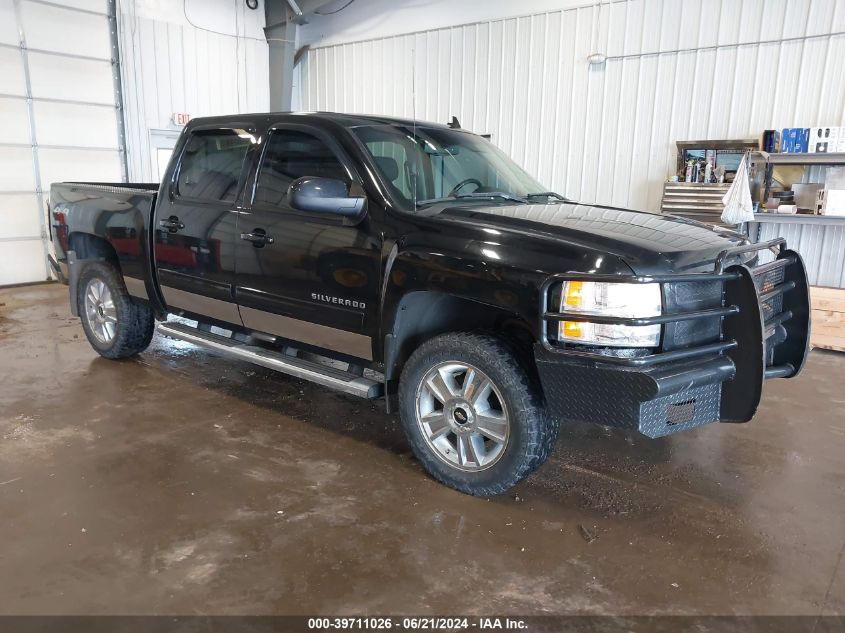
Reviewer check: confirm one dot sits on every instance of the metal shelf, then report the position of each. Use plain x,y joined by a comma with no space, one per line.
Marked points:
798,218
833,158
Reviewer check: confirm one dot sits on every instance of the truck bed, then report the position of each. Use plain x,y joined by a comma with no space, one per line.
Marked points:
117,213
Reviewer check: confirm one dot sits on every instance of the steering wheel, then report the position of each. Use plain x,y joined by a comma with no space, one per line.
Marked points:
464,183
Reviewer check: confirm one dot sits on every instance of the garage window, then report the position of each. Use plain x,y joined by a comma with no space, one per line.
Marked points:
212,163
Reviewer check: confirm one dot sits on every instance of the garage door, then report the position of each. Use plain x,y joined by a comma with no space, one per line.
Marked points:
59,118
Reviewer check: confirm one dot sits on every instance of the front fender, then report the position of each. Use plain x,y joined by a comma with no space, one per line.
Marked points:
429,293
482,286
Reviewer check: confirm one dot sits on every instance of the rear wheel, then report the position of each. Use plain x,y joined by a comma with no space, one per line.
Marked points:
116,325
472,415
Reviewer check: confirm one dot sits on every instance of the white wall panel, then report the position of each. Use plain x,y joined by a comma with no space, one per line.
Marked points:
16,173
169,65
8,27
100,6
374,19
18,216
599,133
60,165
11,72
78,125
21,261
48,28
14,121
56,77
68,54
821,246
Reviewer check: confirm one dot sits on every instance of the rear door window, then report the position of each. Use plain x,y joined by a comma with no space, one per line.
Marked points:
293,154
212,163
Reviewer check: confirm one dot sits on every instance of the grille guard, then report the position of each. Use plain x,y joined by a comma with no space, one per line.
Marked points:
765,318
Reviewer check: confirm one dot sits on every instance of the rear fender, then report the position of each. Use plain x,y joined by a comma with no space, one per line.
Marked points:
85,248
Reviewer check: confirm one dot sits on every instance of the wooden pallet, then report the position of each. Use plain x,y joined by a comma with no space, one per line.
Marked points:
828,315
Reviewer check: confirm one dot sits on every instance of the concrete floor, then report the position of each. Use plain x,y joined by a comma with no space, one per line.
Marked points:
180,482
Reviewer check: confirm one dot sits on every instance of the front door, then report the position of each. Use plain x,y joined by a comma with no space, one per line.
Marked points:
195,225
311,278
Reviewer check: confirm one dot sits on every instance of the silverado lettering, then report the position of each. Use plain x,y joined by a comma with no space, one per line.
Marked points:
338,301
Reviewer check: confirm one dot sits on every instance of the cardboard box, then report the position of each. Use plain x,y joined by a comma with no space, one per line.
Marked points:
834,191
823,140
834,202
770,141
828,305
806,195
786,140
840,143
794,140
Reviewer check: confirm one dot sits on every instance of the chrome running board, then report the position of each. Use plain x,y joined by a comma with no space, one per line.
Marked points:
336,379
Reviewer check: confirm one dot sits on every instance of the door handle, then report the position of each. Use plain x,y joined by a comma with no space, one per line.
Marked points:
172,224
258,237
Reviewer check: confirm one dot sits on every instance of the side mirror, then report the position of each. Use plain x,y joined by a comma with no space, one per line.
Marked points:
325,195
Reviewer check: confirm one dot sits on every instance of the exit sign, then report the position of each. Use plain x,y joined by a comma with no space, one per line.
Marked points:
181,118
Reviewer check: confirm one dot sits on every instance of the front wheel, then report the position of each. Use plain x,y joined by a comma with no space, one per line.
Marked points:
472,414
116,325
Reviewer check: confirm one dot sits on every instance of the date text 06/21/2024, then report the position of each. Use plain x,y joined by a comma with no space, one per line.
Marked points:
417,623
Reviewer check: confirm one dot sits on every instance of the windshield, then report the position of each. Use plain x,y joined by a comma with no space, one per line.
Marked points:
427,165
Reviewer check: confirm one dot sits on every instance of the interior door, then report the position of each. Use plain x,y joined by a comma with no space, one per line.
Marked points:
307,277
162,143
195,225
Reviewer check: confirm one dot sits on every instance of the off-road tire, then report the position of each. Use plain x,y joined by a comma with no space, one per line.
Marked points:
135,320
532,431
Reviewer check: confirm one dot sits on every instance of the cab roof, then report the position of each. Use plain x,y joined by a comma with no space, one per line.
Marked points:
262,119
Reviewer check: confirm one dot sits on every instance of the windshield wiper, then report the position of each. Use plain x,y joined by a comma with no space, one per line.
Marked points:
548,194
504,195
477,196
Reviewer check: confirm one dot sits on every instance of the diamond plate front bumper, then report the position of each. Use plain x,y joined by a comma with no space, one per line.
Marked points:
765,331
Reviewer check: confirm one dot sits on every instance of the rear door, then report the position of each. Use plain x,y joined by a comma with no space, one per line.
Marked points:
195,224
315,279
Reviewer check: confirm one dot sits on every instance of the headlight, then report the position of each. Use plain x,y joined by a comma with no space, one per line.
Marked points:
610,299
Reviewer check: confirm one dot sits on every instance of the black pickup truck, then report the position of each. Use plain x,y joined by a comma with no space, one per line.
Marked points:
416,262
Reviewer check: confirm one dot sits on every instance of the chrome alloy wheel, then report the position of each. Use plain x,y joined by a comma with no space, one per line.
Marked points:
462,416
100,310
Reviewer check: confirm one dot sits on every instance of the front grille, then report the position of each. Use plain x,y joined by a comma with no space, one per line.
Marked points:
699,309
765,283
770,279
771,283
682,297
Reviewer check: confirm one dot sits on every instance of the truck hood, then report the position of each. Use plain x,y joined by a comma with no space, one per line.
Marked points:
647,242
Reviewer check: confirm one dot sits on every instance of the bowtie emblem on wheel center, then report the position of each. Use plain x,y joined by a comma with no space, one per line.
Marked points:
460,415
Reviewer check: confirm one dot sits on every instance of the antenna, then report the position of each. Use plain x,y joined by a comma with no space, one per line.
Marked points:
414,113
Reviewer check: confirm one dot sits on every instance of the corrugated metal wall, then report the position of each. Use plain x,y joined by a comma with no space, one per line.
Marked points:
821,244
169,66
602,133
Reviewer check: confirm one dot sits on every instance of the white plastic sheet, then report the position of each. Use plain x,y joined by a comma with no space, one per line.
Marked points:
737,201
